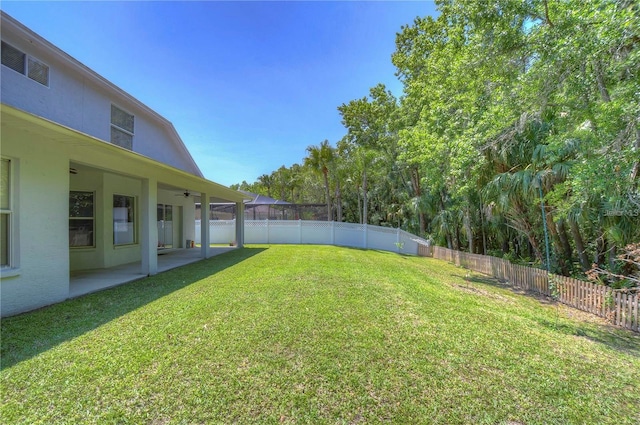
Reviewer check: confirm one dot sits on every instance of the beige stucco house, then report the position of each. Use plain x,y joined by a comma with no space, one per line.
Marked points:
92,178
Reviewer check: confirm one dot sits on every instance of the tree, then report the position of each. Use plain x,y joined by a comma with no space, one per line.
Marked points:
371,124
320,159
267,181
507,105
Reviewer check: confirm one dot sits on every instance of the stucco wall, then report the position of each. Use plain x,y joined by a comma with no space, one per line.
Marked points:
120,185
41,155
78,102
41,242
41,182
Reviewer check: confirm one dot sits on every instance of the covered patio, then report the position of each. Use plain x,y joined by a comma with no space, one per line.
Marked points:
84,282
89,215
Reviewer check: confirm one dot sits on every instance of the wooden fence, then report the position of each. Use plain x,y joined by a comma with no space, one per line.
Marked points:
617,305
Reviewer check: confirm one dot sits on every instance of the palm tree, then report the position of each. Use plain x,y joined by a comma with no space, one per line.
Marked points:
320,159
295,181
267,182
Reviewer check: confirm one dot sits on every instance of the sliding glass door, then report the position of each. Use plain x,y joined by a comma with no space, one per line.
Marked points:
165,226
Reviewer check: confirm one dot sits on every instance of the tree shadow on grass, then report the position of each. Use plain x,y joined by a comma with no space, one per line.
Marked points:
497,283
617,339
29,334
622,340
485,280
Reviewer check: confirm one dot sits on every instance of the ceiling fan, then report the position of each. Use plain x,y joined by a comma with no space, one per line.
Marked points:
186,193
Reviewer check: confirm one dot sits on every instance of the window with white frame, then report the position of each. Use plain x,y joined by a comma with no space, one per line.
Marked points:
24,64
5,213
124,229
81,219
165,226
121,128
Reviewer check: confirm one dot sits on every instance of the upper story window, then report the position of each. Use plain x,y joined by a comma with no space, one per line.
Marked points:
121,128
25,64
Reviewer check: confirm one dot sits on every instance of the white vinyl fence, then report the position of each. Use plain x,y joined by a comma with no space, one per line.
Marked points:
314,232
621,308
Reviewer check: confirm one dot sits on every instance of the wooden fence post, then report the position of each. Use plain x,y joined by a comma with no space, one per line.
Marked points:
621,308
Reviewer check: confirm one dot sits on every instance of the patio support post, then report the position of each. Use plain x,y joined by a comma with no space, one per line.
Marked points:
240,224
149,231
205,238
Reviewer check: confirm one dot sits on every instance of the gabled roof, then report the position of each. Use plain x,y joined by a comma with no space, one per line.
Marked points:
11,24
91,150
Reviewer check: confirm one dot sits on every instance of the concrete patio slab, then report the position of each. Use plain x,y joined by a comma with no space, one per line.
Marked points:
87,281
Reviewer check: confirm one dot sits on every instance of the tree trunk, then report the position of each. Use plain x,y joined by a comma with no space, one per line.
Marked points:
484,235
338,202
602,87
448,234
467,228
635,171
520,223
555,239
577,238
415,182
327,194
601,250
612,256
564,242
364,197
359,207
534,244
547,18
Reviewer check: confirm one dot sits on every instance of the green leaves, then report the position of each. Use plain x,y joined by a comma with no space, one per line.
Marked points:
515,94
500,98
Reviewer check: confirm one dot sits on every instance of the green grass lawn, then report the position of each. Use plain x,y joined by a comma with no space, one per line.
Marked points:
316,334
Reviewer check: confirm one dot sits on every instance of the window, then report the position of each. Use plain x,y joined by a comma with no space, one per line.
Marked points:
24,64
121,128
165,226
123,220
5,213
81,219
38,72
13,58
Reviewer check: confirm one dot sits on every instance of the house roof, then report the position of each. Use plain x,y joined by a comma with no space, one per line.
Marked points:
92,151
262,199
18,29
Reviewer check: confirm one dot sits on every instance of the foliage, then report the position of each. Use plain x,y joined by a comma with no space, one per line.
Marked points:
321,159
507,105
627,272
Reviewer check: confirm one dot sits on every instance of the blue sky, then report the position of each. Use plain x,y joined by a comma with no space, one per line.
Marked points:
248,85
